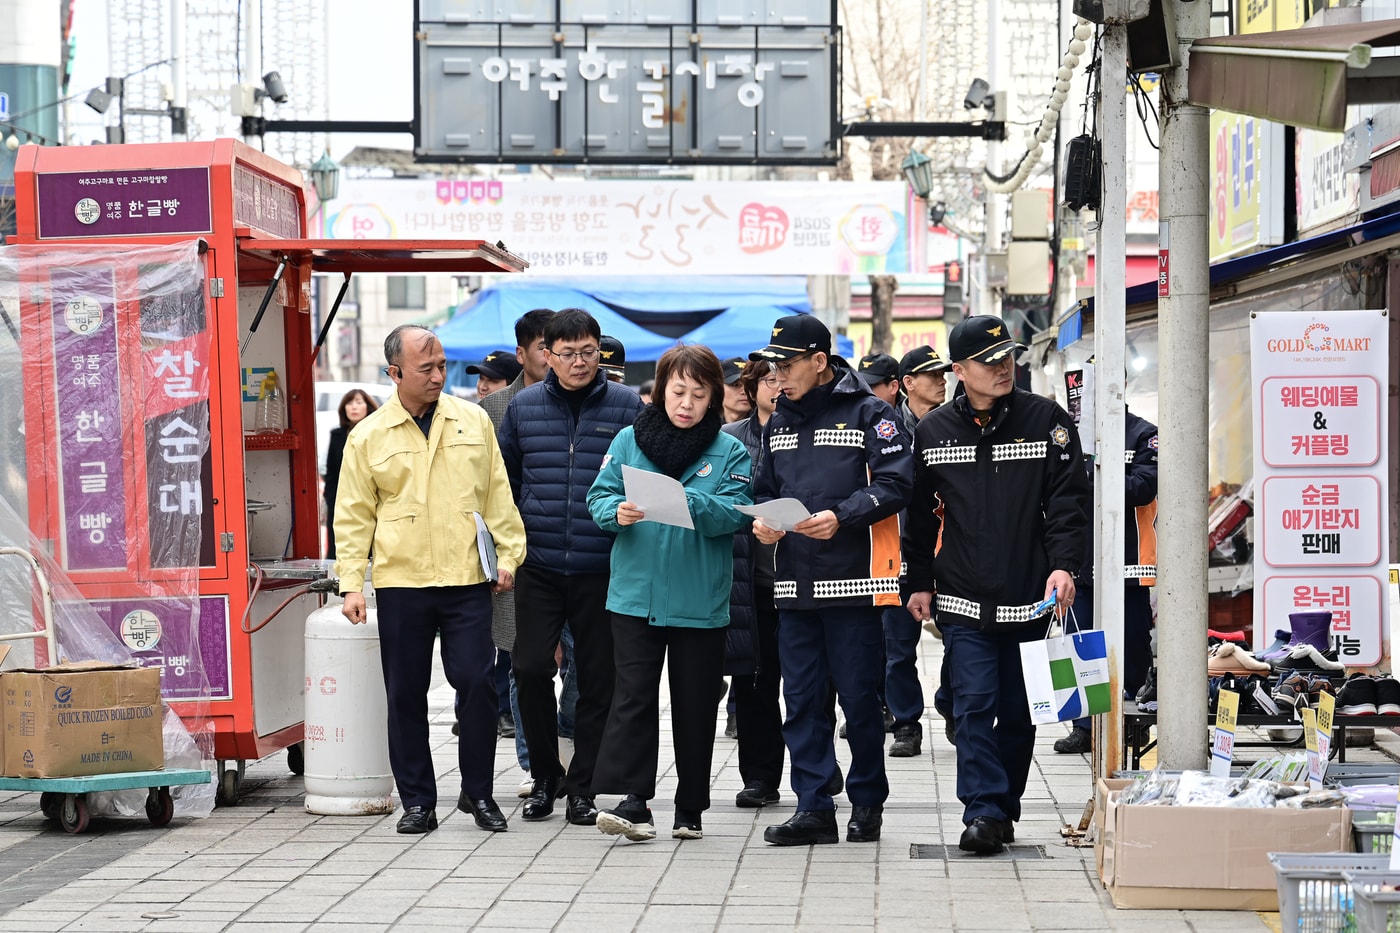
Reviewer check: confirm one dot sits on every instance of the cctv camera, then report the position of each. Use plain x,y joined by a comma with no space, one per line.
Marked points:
979,95
276,90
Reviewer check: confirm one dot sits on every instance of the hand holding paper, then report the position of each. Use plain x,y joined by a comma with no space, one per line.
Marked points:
661,498
778,514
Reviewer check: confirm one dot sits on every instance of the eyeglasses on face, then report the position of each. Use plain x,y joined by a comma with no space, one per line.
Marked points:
772,381
785,368
588,355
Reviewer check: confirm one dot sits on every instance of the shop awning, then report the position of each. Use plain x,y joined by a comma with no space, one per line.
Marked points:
412,256
1303,77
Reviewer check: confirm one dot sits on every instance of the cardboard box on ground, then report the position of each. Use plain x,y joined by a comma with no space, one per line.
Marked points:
1205,858
73,720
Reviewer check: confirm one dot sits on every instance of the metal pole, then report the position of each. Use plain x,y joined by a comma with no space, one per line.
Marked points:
920,102
252,53
179,93
1183,413
990,302
1110,315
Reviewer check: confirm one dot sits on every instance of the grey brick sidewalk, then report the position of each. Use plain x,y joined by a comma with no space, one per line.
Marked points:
267,865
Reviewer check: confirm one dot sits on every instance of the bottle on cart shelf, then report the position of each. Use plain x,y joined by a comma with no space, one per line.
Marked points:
271,416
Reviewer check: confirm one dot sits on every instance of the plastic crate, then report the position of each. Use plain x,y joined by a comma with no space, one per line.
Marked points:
1376,910
1373,831
1313,897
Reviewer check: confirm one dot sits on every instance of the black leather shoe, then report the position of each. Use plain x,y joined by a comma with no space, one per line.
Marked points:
864,825
835,785
756,794
580,811
505,726
1008,831
983,836
806,828
908,741
418,820
1077,742
540,804
487,815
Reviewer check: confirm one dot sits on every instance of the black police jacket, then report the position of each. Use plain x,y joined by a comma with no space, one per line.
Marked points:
996,509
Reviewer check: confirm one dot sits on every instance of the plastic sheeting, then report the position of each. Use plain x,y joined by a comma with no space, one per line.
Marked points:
102,469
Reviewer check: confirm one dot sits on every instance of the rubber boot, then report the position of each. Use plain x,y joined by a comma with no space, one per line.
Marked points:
1311,628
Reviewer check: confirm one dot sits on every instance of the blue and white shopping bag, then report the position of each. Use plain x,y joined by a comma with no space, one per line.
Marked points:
1066,676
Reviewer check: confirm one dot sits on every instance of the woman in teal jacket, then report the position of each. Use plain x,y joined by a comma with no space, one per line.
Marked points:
669,592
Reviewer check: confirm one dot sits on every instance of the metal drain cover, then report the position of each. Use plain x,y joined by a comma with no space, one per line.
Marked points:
946,853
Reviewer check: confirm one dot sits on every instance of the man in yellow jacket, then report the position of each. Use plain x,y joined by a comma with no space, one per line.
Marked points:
416,473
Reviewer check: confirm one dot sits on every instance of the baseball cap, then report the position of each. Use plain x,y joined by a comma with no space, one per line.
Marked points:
733,370
876,368
923,359
499,364
983,338
795,335
611,354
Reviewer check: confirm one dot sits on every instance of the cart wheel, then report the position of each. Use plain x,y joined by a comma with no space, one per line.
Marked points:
49,803
296,759
230,783
160,806
73,813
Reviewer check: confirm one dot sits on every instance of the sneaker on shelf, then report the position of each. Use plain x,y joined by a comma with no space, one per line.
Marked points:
1304,657
1291,690
1358,696
1259,694
1387,696
1318,684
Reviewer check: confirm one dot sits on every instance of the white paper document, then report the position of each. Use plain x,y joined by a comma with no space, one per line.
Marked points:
660,498
486,547
779,514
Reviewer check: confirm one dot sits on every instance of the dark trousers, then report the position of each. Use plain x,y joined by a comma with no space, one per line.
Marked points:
409,620
996,738
544,601
756,709
1137,634
627,758
904,696
502,683
845,645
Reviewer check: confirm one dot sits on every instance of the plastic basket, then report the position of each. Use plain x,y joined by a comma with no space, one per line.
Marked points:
1373,831
1313,897
1377,910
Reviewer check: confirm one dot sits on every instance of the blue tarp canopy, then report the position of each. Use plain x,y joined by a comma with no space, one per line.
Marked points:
740,309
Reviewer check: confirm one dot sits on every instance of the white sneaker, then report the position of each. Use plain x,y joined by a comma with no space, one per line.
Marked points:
526,788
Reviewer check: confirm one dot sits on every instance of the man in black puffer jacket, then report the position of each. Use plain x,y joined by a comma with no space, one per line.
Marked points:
553,438
843,454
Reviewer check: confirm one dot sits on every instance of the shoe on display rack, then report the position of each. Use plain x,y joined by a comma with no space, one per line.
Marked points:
1258,692
1387,696
1358,696
1147,693
1309,659
1318,684
1291,690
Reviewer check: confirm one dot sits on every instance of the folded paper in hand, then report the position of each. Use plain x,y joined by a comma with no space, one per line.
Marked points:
778,514
486,547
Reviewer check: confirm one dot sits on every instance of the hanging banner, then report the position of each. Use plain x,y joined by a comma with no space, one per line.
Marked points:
646,228
1320,438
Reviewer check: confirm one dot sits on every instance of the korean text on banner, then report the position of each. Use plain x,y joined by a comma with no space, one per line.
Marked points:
1320,468
1066,677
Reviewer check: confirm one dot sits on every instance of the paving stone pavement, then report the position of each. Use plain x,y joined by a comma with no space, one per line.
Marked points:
267,865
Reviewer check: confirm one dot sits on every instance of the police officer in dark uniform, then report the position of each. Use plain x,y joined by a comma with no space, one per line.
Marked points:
844,455
998,524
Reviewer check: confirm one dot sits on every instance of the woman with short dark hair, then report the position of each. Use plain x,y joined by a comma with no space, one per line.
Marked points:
355,406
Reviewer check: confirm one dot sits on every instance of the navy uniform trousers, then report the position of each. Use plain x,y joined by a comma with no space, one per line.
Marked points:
410,619
904,695
996,738
841,646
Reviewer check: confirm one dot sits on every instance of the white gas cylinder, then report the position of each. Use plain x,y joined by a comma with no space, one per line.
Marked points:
347,738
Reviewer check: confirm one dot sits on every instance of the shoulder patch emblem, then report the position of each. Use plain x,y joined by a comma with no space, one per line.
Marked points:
840,425
1059,434
1152,442
705,470
885,429
607,458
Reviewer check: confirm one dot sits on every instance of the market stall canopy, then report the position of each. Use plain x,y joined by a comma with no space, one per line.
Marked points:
1303,77
731,315
415,256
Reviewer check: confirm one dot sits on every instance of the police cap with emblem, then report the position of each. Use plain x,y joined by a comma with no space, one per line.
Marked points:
733,370
878,368
795,335
611,355
983,338
499,364
923,359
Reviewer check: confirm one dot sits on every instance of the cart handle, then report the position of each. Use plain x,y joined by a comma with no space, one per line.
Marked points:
47,633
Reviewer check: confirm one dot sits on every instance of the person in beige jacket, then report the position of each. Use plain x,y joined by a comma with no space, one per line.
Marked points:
415,475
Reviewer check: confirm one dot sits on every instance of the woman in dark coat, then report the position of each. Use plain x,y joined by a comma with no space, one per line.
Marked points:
354,407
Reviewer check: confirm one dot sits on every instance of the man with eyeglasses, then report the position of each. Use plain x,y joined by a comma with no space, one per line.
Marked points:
843,454
998,525
554,436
